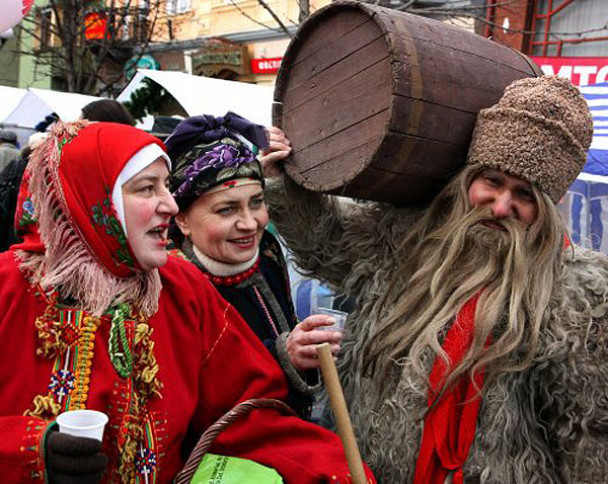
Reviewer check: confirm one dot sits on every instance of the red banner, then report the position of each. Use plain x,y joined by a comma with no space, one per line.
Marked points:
582,71
266,66
95,25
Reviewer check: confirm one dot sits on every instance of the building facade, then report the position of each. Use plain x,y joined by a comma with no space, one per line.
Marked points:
240,40
565,37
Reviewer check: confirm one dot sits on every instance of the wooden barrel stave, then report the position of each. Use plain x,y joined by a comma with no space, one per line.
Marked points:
309,61
335,153
372,102
426,158
364,58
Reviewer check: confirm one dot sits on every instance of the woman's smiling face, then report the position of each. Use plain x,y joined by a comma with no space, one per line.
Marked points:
226,226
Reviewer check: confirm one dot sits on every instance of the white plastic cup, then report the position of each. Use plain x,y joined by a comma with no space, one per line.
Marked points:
83,423
339,317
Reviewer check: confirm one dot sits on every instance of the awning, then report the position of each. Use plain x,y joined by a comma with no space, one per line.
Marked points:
205,95
36,104
10,97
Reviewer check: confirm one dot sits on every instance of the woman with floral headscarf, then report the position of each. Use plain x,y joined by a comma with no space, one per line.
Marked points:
219,187
97,316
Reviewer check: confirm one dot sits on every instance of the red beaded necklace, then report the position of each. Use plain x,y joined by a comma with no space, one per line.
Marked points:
235,279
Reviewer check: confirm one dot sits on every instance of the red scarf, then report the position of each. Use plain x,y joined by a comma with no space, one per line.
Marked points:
449,427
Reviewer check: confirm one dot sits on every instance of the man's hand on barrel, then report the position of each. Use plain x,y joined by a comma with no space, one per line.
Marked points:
279,149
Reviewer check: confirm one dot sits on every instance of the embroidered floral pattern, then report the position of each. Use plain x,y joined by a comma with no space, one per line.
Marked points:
27,217
145,462
104,217
62,383
224,161
65,139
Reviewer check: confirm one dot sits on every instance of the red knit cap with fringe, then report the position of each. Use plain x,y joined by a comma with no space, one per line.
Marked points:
83,162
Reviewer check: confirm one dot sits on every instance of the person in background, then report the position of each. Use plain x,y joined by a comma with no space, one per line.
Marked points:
49,119
107,110
8,147
104,319
12,228
219,188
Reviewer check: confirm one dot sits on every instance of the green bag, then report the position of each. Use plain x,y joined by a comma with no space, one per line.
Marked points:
221,469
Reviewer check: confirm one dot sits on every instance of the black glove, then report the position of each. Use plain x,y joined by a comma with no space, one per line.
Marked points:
72,459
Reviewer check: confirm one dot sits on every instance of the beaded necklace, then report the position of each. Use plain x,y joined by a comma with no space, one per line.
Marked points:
266,311
235,279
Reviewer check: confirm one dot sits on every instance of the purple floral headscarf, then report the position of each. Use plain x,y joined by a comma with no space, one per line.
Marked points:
207,151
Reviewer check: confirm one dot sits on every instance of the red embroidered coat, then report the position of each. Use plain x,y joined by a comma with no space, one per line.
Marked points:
209,361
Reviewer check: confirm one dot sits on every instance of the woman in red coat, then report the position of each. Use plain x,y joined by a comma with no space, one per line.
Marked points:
104,319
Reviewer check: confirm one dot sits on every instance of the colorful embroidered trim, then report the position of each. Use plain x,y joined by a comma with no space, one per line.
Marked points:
33,468
69,336
135,432
120,353
146,460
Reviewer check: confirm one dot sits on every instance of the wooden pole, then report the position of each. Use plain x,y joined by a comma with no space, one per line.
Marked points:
338,406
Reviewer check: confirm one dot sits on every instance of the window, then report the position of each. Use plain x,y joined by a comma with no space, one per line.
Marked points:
177,6
567,28
45,17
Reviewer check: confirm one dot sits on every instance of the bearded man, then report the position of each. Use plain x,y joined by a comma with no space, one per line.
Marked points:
478,351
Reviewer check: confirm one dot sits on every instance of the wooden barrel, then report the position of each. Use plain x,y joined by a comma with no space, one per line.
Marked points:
381,104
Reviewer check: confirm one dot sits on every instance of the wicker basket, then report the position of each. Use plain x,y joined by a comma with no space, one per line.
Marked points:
240,410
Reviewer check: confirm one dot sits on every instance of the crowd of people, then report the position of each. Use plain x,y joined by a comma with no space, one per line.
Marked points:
145,283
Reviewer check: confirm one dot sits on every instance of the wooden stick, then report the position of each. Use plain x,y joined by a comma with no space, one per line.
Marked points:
338,406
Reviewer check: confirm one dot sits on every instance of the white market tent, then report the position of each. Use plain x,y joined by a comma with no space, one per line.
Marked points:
206,95
10,97
38,103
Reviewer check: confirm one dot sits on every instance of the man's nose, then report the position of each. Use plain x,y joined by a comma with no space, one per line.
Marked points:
502,207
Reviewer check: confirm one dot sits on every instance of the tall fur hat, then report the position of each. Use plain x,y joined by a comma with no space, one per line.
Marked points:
540,130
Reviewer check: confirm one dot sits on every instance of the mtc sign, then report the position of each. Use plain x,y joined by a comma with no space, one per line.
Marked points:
582,71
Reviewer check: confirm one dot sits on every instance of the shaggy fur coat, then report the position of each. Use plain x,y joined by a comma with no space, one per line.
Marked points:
547,424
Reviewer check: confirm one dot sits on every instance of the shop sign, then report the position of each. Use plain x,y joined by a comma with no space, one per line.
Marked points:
216,53
95,25
266,66
582,71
